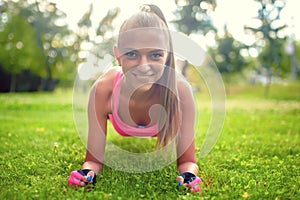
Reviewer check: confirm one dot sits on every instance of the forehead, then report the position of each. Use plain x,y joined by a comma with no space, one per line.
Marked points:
145,38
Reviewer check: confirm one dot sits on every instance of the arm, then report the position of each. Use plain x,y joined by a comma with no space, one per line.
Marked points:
97,130
186,150
95,145
98,108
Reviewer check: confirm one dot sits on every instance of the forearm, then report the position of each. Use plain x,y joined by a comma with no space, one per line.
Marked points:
97,118
92,163
187,162
188,167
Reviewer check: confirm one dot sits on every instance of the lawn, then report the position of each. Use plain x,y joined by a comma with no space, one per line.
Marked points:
256,157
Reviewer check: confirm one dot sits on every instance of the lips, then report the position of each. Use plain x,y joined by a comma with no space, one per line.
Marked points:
145,78
143,74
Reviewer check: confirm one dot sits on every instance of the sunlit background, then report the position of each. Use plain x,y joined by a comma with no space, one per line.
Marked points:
257,39
234,13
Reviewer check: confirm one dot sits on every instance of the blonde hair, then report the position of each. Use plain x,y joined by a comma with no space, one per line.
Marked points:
151,16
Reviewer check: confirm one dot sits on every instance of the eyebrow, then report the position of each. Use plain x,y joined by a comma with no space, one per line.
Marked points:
157,50
127,50
132,49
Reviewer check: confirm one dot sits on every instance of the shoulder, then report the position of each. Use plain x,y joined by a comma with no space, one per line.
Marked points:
105,82
102,89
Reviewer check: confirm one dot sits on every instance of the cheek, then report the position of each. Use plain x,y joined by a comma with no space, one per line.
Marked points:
124,62
158,69
126,65
127,62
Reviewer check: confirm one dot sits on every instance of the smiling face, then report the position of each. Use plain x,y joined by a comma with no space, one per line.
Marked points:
143,54
144,65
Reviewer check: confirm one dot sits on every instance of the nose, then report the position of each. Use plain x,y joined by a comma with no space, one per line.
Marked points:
143,60
144,64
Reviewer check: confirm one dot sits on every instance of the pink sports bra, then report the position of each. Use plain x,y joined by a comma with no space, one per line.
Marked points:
120,126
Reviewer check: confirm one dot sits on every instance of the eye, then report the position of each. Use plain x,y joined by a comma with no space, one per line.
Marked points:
131,54
157,55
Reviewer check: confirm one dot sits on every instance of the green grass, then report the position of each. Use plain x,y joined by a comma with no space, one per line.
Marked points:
256,157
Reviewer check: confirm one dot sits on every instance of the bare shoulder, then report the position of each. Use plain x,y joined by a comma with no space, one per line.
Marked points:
102,89
104,83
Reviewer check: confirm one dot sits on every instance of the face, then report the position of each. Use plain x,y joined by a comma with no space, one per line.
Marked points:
142,55
143,66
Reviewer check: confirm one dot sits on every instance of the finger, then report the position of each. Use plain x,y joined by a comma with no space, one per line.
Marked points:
194,185
195,188
90,176
196,181
75,179
180,180
185,185
87,179
77,175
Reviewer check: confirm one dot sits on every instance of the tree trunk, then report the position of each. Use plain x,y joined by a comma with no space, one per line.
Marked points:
268,83
13,82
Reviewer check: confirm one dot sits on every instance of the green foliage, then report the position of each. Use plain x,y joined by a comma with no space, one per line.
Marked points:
53,37
257,156
104,33
274,57
270,41
193,16
46,48
86,18
19,51
283,69
227,55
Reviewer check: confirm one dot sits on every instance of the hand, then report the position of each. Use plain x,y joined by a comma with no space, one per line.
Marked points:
82,178
190,180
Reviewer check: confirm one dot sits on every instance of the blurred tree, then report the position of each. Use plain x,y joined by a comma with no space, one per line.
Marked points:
269,36
48,40
19,51
51,30
291,49
105,33
94,49
193,16
84,24
227,54
86,18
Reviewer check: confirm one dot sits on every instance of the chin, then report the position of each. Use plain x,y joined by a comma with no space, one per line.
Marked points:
146,87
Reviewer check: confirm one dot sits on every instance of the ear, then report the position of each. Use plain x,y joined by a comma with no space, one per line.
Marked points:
116,52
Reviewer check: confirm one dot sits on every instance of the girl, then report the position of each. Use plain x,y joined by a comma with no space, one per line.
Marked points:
128,96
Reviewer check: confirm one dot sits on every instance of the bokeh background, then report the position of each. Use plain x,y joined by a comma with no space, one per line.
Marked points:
254,44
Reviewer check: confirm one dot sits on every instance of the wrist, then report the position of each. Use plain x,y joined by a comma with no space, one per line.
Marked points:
91,175
91,165
188,176
190,167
